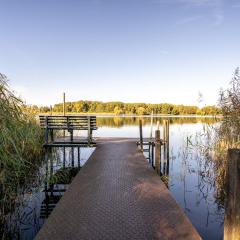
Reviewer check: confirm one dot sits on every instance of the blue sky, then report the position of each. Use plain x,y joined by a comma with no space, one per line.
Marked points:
127,50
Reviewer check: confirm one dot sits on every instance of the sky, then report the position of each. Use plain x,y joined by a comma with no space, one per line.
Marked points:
151,51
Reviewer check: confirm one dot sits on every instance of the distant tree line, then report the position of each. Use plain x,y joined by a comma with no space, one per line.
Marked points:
119,108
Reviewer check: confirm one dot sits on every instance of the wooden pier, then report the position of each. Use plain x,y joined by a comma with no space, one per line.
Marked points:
117,195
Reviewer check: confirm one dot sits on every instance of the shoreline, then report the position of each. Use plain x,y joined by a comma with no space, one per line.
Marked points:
134,115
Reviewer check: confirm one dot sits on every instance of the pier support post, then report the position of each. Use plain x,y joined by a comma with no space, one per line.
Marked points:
47,211
64,157
46,130
157,152
232,204
72,152
79,159
166,132
141,136
64,110
89,130
166,146
64,107
51,171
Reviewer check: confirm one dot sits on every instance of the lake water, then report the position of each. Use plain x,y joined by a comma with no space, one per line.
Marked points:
190,178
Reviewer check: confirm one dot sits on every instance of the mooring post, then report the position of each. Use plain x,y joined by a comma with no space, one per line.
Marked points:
89,129
141,136
79,159
152,157
232,203
166,137
64,107
72,156
64,157
157,152
167,130
64,110
151,126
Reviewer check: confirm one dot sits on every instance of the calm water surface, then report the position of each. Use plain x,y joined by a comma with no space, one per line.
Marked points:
190,180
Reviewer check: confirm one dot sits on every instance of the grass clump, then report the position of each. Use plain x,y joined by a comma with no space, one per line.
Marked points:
20,147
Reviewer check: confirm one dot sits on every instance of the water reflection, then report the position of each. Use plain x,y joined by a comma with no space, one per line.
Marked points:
35,205
188,169
118,121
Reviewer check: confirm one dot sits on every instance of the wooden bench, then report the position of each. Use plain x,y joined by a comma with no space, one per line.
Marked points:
69,123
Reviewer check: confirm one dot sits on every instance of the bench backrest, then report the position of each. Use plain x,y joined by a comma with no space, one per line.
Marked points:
68,122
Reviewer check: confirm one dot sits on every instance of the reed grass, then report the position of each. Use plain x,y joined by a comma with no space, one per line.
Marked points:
20,147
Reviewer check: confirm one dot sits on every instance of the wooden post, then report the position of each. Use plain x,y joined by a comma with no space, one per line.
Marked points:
157,152
46,183
152,157
46,130
64,111
64,107
72,151
232,204
64,157
167,139
166,146
151,126
51,135
141,136
166,134
51,172
89,129
51,110
79,159
166,131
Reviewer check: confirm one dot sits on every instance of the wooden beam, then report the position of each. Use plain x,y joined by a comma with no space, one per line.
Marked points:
232,204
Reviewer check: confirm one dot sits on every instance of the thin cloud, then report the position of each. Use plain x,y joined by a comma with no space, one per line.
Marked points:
196,2
188,20
215,5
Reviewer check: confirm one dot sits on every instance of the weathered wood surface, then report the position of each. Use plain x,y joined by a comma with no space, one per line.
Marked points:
69,123
232,208
117,195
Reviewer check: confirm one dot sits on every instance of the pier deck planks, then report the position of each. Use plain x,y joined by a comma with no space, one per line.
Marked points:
117,195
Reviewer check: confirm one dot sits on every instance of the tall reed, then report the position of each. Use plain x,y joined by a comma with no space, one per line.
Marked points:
20,147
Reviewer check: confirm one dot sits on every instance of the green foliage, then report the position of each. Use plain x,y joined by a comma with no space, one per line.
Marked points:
230,104
118,108
211,110
21,146
141,111
64,176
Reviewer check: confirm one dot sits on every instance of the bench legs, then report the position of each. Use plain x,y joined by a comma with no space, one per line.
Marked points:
51,135
71,135
46,135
